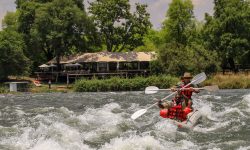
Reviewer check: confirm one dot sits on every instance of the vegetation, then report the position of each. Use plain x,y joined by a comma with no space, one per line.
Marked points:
228,30
231,81
120,28
12,58
183,42
121,84
40,30
3,88
56,28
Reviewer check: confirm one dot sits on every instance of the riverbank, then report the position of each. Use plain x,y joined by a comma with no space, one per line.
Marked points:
124,84
230,81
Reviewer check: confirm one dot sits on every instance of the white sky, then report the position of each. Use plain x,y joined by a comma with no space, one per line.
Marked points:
156,8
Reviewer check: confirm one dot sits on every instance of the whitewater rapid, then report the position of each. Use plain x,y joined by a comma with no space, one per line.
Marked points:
101,121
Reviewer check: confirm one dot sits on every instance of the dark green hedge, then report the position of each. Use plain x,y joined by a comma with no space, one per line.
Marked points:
124,84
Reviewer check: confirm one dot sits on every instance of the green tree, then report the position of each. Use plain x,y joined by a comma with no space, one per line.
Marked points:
228,31
10,21
184,48
179,21
53,28
151,41
12,59
61,27
120,29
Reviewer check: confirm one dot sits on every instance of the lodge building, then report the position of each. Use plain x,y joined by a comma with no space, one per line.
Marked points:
99,65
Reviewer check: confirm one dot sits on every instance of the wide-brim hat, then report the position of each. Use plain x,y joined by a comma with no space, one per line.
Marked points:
187,75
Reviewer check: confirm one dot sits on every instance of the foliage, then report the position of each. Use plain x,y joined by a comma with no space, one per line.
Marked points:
62,26
179,21
12,59
237,81
151,41
184,48
53,28
120,29
228,30
3,88
123,84
10,21
156,67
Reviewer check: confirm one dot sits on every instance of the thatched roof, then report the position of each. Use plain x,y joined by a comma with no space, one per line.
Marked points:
108,57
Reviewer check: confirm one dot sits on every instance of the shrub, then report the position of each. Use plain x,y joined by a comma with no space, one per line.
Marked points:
124,84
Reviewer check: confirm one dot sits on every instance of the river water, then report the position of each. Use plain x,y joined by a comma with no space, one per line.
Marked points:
101,121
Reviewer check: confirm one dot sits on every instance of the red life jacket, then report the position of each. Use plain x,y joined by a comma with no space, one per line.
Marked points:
175,113
187,93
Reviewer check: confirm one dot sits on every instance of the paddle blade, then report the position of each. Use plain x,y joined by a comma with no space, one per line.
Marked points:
151,90
199,78
138,113
212,88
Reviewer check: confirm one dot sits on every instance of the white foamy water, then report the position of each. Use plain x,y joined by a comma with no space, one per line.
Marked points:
101,121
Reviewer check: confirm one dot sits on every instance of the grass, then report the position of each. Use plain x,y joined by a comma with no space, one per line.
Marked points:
230,81
55,87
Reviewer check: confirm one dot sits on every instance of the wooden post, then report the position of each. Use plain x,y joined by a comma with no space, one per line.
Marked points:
97,67
117,66
107,66
56,77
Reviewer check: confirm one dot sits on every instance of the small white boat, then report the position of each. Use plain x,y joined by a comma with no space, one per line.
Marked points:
186,118
37,83
192,120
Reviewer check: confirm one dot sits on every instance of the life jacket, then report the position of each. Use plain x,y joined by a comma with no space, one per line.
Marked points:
187,93
175,113
179,100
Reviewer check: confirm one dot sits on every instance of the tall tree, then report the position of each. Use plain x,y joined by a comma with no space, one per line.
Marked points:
12,59
120,28
53,28
184,48
62,27
228,31
10,21
179,21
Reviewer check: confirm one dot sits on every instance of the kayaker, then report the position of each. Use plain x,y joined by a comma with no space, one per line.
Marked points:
175,109
178,99
188,91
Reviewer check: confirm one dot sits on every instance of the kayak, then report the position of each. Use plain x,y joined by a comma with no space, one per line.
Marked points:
192,120
186,118
37,83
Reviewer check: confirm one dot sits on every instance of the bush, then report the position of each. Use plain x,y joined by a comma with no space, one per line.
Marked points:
3,89
124,84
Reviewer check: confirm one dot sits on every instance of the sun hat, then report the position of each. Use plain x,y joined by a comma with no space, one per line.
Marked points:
187,75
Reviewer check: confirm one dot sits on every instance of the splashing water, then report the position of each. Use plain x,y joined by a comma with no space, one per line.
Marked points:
101,121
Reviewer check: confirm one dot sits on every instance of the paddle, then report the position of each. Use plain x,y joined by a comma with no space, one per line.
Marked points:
196,80
154,89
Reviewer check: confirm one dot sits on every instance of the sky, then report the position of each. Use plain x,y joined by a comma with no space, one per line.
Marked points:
156,8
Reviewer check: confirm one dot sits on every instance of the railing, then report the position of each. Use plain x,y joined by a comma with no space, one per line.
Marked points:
49,75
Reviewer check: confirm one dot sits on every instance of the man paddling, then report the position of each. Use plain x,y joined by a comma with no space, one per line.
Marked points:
182,102
188,91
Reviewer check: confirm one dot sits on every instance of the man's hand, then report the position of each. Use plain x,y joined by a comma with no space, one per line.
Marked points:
194,90
173,89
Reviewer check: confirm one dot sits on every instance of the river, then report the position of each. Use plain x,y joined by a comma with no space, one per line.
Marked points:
101,121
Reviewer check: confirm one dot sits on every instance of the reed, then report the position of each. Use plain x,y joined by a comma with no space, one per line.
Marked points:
230,81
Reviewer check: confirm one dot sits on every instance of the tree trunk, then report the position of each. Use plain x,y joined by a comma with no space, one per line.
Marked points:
232,64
